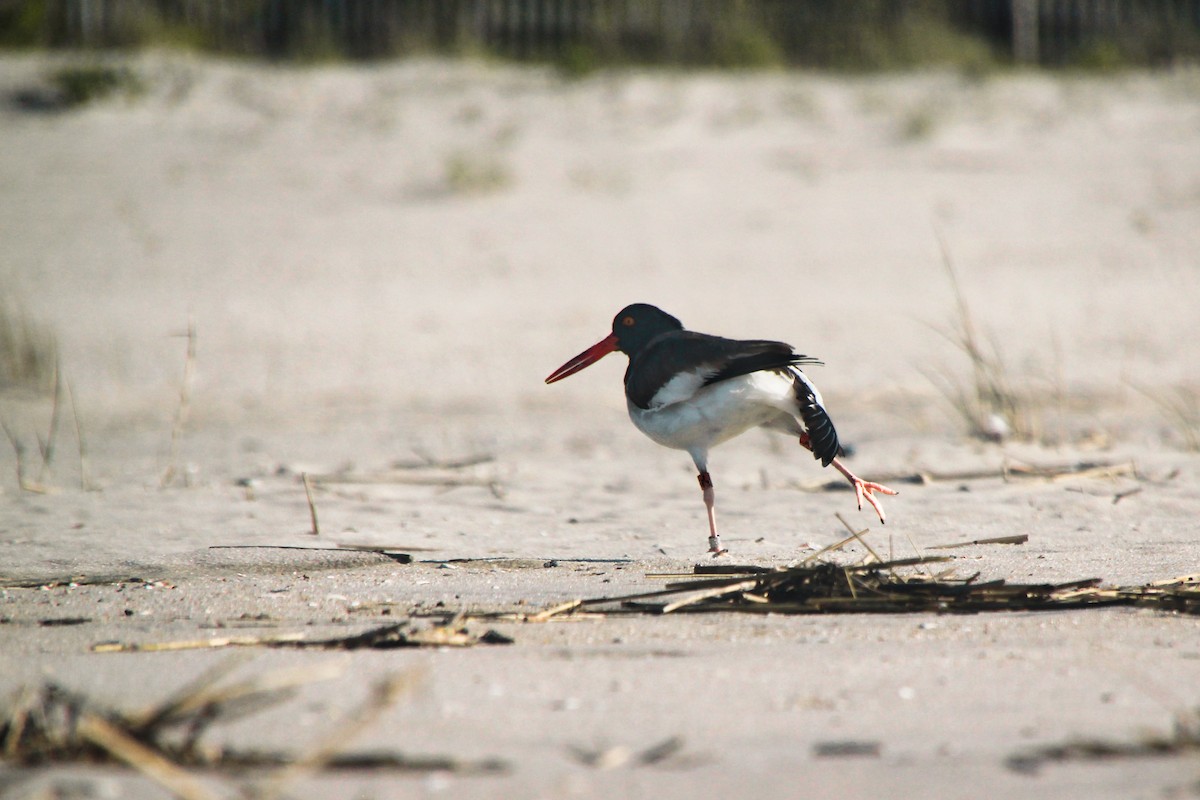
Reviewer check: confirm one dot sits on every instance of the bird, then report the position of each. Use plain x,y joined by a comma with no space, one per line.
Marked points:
692,391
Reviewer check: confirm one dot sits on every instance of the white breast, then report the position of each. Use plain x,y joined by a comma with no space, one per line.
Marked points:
716,413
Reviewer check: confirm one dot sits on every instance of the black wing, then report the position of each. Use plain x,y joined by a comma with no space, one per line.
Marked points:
756,355
822,436
703,358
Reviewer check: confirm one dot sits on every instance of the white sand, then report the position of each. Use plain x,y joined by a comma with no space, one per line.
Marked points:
382,260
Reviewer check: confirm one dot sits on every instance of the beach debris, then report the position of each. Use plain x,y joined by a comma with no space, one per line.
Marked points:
554,611
879,587
451,634
182,411
72,581
426,460
443,475
1183,739
213,643
387,551
387,637
669,751
848,748
1008,471
875,586
312,506
59,622
54,725
23,480
1119,496
1020,538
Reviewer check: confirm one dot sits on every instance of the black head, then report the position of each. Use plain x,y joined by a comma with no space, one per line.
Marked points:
635,325
632,330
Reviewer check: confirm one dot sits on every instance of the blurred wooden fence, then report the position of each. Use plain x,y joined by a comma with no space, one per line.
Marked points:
803,32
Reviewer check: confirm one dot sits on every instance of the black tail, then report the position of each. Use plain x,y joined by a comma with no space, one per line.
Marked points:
822,436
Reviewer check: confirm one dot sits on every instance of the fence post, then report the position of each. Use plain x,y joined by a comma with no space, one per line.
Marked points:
1025,31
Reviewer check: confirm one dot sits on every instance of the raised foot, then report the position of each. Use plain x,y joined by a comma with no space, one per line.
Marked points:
862,489
865,490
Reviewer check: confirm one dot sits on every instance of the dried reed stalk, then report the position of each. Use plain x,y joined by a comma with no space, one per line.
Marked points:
183,410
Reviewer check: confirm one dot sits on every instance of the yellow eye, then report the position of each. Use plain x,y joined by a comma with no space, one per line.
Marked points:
627,322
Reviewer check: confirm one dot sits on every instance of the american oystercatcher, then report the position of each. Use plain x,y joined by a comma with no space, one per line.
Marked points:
692,391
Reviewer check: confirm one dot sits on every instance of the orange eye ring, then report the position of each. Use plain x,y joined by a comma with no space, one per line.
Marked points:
627,322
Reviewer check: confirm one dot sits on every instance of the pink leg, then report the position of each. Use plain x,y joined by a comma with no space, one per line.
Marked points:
862,489
714,539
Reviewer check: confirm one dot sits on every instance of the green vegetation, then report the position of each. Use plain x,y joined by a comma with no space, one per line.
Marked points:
918,124
578,61
1099,56
78,85
742,45
582,37
475,173
926,40
24,24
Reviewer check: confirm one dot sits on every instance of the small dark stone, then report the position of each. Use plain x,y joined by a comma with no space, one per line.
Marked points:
843,749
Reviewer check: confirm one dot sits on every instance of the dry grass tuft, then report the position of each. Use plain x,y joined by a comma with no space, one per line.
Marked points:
28,351
885,587
1181,407
182,411
873,585
29,366
53,726
987,401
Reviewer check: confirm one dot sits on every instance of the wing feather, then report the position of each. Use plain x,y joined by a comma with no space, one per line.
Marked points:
821,433
677,364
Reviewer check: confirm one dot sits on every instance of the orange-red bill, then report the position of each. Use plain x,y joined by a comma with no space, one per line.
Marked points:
585,359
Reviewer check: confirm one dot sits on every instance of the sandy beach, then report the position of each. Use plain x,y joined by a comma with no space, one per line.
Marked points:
380,265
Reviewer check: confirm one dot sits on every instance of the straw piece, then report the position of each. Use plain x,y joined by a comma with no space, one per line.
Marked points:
384,694
1020,538
858,535
707,594
150,763
554,611
312,506
198,644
